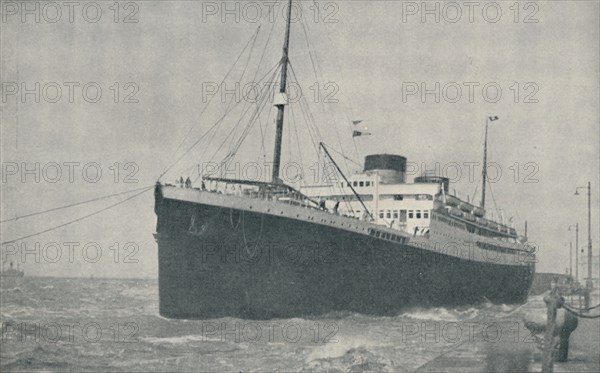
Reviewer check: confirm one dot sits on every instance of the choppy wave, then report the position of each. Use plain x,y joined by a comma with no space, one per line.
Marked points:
440,314
356,359
360,343
38,358
179,340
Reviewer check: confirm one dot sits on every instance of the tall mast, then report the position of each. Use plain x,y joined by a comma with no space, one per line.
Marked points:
281,105
484,172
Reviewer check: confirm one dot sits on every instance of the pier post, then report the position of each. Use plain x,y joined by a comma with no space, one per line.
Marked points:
553,303
586,294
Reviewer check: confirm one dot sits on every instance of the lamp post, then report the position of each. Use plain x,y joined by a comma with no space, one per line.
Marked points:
589,193
571,259
576,225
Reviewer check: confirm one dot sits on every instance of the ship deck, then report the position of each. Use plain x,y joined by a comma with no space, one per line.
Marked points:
515,257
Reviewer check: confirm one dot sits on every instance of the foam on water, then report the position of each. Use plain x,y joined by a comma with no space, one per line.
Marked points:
361,342
355,359
179,340
433,314
333,350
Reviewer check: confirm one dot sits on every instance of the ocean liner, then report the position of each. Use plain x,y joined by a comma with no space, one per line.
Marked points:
372,242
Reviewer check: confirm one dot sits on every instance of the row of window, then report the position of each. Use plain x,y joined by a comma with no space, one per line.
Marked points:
387,236
488,246
402,214
449,221
358,184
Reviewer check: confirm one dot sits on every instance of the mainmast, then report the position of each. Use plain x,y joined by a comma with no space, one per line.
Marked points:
283,99
484,172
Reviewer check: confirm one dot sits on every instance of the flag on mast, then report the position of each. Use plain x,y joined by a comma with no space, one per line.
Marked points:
355,122
493,118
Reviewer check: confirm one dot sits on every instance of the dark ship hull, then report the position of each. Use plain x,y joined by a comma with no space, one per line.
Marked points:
217,260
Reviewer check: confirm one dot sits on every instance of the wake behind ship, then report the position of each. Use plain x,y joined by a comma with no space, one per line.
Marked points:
370,243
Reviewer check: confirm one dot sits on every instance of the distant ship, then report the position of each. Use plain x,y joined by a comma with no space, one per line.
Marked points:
371,243
12,272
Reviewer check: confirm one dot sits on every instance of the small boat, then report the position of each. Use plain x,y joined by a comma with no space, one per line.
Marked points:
470,217
452,201
456,212
466,207
478,211
481,221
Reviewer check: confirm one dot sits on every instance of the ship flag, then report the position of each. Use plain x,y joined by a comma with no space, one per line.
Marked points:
360,133
493,118
355,122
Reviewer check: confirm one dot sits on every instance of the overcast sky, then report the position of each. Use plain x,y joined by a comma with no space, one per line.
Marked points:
546,141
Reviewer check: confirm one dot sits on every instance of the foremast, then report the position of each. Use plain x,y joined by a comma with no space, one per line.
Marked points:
282,99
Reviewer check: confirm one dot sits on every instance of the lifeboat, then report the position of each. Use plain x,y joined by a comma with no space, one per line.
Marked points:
482,222
456,212
466,207
512,231
503,229
478,211
493,225
470,217
452,201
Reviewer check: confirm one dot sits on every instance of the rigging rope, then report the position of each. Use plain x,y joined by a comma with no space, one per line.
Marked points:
254,79
235,228
72,205
334,186
239,142
341,71
210,100
242,77
495,205
342,154
318,71
78,219
215,125
584,309
309,119
579,314
262,222
293,120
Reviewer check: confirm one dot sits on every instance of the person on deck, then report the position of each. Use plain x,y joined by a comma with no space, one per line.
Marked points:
322,205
